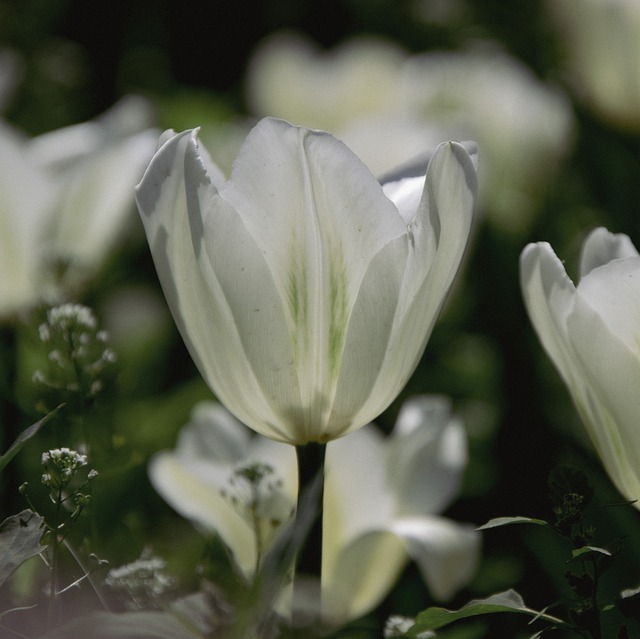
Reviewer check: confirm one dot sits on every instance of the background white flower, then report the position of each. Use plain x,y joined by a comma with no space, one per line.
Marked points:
67,195
591,333
382,502
601,43
203,480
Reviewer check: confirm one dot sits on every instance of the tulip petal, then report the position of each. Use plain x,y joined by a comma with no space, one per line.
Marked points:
178,205
601,247
24,214
549,296
438,236
446,553
197,480
603,332
92,210
358,497
363,573
427,453
321,221
192,489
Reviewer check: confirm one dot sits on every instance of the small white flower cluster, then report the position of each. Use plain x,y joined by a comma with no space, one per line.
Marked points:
397,626
253,491
79,353
141,583
61,465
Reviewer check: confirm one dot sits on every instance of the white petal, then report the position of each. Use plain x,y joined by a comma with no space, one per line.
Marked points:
438,237
613,291
362,574
427,454
192,488
321,220
25,212
214,435
357,495
231,319
601,247
549,296
446,553
96,199
602,334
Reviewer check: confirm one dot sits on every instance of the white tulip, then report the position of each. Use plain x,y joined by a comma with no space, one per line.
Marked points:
591,334
381,505
304,290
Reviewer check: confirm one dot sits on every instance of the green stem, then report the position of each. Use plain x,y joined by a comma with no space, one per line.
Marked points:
308,534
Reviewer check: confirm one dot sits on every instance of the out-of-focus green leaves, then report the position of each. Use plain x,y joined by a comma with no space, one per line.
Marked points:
24,437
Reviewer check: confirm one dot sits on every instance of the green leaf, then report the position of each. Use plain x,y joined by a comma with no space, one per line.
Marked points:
506,521
507,601
24,437
19,541
585,550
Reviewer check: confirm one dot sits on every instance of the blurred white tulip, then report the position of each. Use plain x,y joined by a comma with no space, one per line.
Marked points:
66,197
381,505
601,40
388,106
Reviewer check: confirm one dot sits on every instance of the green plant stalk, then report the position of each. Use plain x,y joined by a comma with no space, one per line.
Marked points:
308,532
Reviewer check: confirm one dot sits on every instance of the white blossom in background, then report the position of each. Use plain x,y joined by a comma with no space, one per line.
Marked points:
402,104
25,210
383,496
601,43
207,479
67,195
590,332
304,289
95,166
291,78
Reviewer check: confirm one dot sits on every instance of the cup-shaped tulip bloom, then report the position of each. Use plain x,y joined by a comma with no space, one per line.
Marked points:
381,504
228,483
304,289
590,332
601,39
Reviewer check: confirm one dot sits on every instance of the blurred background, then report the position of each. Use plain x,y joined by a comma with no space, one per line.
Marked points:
550,93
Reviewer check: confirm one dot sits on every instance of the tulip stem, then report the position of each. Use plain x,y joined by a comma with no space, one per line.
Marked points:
308,535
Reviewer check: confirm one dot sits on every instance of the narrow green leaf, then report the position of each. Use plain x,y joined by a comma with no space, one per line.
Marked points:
24,437
507,601
585,550
19,540
506,521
